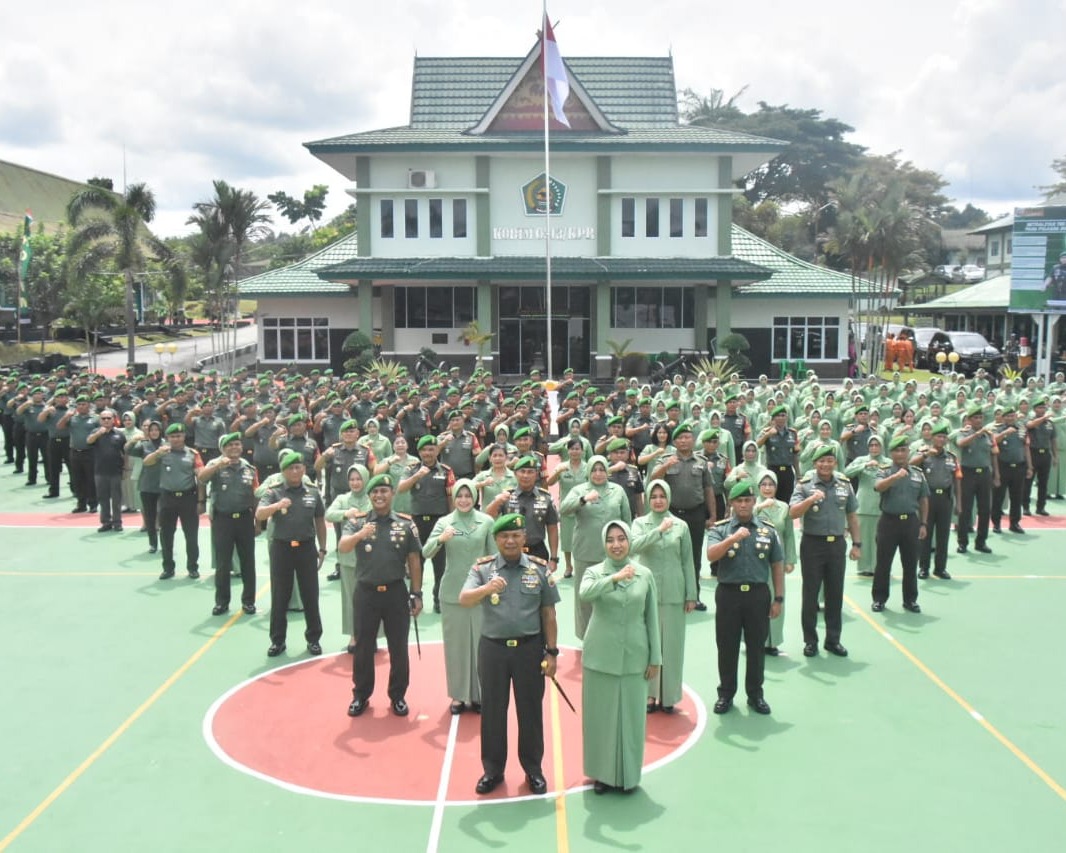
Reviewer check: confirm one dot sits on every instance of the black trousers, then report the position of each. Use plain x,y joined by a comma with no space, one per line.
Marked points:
7,425
36,451
976,489
822,563
373,606
109,493
538,549
58,456
291,565
18,434
1011,487
941,506
741,609
786,481
425,523
265,470
150,517
1041,475
696,521
896,532
499,667
175,507
233,531
82,478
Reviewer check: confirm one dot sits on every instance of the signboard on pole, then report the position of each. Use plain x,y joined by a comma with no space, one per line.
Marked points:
1038,260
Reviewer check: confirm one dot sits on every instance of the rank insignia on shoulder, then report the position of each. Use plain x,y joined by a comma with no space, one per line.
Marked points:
480,560
540,561
405,516
720,523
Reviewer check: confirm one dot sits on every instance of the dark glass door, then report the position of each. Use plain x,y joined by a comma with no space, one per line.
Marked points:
523,328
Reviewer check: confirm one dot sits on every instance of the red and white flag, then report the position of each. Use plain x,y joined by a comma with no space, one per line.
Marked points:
555,79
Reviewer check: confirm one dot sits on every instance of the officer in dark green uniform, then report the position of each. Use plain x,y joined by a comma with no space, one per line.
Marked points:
232,481
903,523
825,501
518,646
178,499
387,549
1015,465
1045,454
719,466
750,558
622,473
978,456
780,444
81,423
941,469
430,483
57,453
36,434
299,520
541,530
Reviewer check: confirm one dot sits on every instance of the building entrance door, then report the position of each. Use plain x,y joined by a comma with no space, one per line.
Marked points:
523,331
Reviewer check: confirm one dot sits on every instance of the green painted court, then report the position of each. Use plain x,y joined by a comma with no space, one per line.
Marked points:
941,731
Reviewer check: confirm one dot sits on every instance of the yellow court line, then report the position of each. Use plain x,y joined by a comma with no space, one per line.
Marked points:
1043,775
562,838
27,821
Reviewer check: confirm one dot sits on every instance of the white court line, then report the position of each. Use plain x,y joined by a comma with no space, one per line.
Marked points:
442,789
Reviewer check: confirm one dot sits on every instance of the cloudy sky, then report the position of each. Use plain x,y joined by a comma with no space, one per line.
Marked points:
195,90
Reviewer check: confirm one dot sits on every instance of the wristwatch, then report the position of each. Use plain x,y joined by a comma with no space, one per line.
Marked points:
416,594
549,650
779,599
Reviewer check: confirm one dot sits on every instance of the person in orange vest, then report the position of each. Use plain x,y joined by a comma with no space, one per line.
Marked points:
890,351
905,353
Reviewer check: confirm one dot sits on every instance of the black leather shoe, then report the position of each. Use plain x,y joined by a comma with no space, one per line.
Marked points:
219,609
436,607
152,550
772,651
103,528
537,783
487,784
809,650
995,528
701,607
475,707
357,707
249,609
961,549
984,549
78,509
666,709
314,649
194,574
1016,528
457,708
166,575
759,706
275,650
399,708
1038,512
923,574
50,496
1025,510
877,606
722,706
866,574
944,576
335,575
836,649
652,707
600,787
117,528
912,607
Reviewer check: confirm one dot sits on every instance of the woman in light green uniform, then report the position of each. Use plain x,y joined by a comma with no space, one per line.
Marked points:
662,542
621,654
749,466
350,505
498,478
1057,482
569,474
592,504
867,470
559,447
378,444
466,536
396,467
776,513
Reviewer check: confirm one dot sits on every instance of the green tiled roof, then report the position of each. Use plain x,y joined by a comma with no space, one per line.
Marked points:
791,276
301,278
990,295
526,267
455,92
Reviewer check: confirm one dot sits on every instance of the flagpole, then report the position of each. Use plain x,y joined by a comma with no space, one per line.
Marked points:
547,188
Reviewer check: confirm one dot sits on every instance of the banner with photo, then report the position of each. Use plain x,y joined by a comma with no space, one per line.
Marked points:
1038,260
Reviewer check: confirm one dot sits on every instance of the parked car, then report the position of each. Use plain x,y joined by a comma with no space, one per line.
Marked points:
945,271
968,274
974,352
922,336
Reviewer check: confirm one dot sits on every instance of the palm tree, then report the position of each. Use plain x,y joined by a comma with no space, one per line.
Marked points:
112,227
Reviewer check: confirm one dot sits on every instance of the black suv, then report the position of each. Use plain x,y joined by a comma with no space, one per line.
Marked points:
974,352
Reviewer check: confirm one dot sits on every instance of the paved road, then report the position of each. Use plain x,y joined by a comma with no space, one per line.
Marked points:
190,350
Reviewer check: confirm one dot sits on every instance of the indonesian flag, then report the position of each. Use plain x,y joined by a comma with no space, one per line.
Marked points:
555,79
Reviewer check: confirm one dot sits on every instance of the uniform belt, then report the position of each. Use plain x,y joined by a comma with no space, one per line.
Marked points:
426,517
904,516
832,537
1041,450
782,467
514,643
742,587
81,450
180,494
240,514
681,509
940,491
296,543
1013,464
379,587
975,470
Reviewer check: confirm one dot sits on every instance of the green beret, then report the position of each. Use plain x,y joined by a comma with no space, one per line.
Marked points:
617,419
379,480
507,401
974,411
1041,402
645,401
349,424
269,407
631,392
426,441
81,398
824,451
61,392
709,435
527,462
744,489
1007,410
599,398
292,398
296,419
730,398
521,432
451,391
506,523
246,403
778,410
567,370
681,429
673,404
941,429
573,395
860,409
289,457
898,442
227,438
434,386
454,413
617,444
174,429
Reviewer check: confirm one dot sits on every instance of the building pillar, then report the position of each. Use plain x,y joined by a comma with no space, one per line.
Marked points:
487,323
599,350
483,222
700,324
725,208
388,319
362,207
366,308
723,309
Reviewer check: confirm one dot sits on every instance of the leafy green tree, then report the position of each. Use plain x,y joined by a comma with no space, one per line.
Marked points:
93,300
311,208
112,229
968,218
711,109
1059,187
44,288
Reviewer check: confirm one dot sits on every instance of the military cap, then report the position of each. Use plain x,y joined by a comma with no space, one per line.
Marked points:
744,489
426,441
974,411
680,429
860,409
379,480
824,451
289,457
174,429
778,410
941,429
521,432
510,521
898,442
227,438
617,419
709,435
527,462
296,419
617,444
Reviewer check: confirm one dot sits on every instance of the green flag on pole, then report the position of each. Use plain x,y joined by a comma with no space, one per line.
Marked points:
27,250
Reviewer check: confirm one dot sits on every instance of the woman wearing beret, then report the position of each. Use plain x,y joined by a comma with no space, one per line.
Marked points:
622,653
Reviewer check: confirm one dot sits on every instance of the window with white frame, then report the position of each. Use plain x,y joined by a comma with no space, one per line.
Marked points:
433,307
678,217
809,338
652,308
295,339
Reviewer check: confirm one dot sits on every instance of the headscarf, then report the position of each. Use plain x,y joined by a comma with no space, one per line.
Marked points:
588,472
610,564
361,500
468,484
665,486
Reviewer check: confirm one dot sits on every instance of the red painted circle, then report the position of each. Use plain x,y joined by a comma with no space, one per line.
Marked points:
289,726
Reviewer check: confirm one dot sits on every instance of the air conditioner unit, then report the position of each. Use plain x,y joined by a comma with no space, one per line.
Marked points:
421,179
